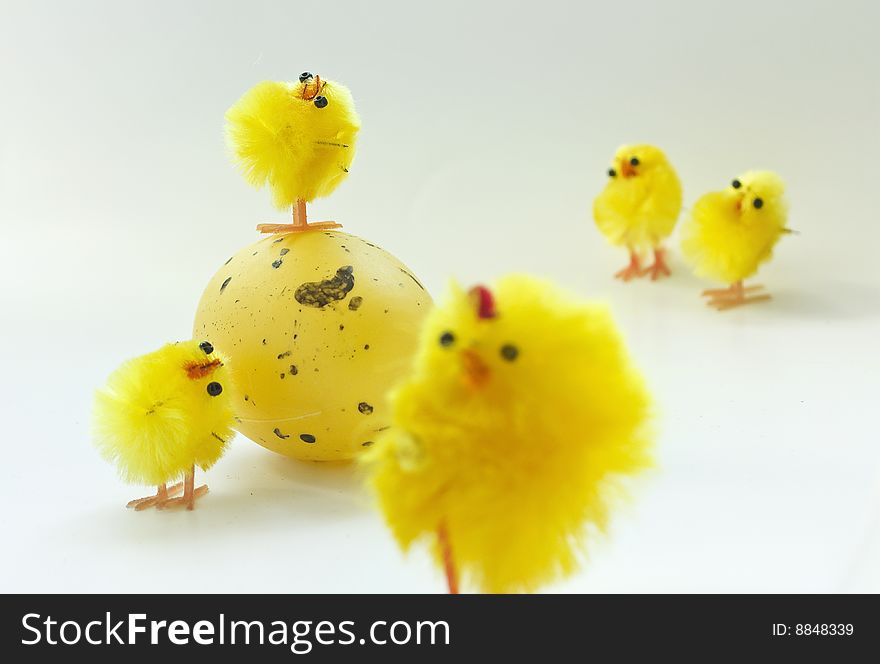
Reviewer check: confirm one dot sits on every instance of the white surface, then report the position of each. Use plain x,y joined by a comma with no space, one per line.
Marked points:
487,132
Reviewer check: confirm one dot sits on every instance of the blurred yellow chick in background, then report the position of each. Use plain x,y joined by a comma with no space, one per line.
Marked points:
298,138
162,414
730,233
509,437
639,206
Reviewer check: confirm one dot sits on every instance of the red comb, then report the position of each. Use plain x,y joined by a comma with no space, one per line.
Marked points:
485,302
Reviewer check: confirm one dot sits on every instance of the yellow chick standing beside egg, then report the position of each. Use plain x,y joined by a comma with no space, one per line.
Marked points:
730,233
297,138
162,414
639,207
520,414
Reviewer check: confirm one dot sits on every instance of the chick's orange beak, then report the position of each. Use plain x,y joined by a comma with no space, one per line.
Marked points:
627,170
312,87
476,372
197,370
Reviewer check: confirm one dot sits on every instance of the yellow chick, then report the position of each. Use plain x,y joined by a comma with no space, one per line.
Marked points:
639,206
509,436
298,138
162,414
730,233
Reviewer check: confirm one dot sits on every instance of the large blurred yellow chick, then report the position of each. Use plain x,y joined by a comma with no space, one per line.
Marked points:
730,233
639,207
298,138
162,414
509,437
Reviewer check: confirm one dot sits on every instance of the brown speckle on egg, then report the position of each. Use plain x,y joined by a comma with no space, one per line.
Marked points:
286,353
355,303
293,370
277,263
225,284
307,438
365,408
319,294
278,433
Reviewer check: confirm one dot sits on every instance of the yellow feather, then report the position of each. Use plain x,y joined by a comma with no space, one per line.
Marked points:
520,468
155,418
281,138
727,237
640,204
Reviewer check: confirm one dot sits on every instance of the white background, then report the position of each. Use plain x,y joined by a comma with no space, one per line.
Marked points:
487,130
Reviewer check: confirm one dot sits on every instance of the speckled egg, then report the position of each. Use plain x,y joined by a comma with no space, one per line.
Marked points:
317,327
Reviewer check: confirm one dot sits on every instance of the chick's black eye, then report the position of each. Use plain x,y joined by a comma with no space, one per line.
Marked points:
509,352
305,76
207,347
611,172
758,203
736,184
634,161
320,101
447,339
214,388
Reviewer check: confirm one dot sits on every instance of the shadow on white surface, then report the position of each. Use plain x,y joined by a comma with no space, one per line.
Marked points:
832,301
249,492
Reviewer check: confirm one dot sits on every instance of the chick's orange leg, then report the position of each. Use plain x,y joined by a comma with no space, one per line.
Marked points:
190,493
448,561
299,224
659,268
633,270
163,493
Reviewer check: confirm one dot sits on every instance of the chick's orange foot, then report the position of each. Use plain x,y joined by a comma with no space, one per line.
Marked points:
631,271
297,228
659,269
162,495
300,222
187,501
190,493
736,295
